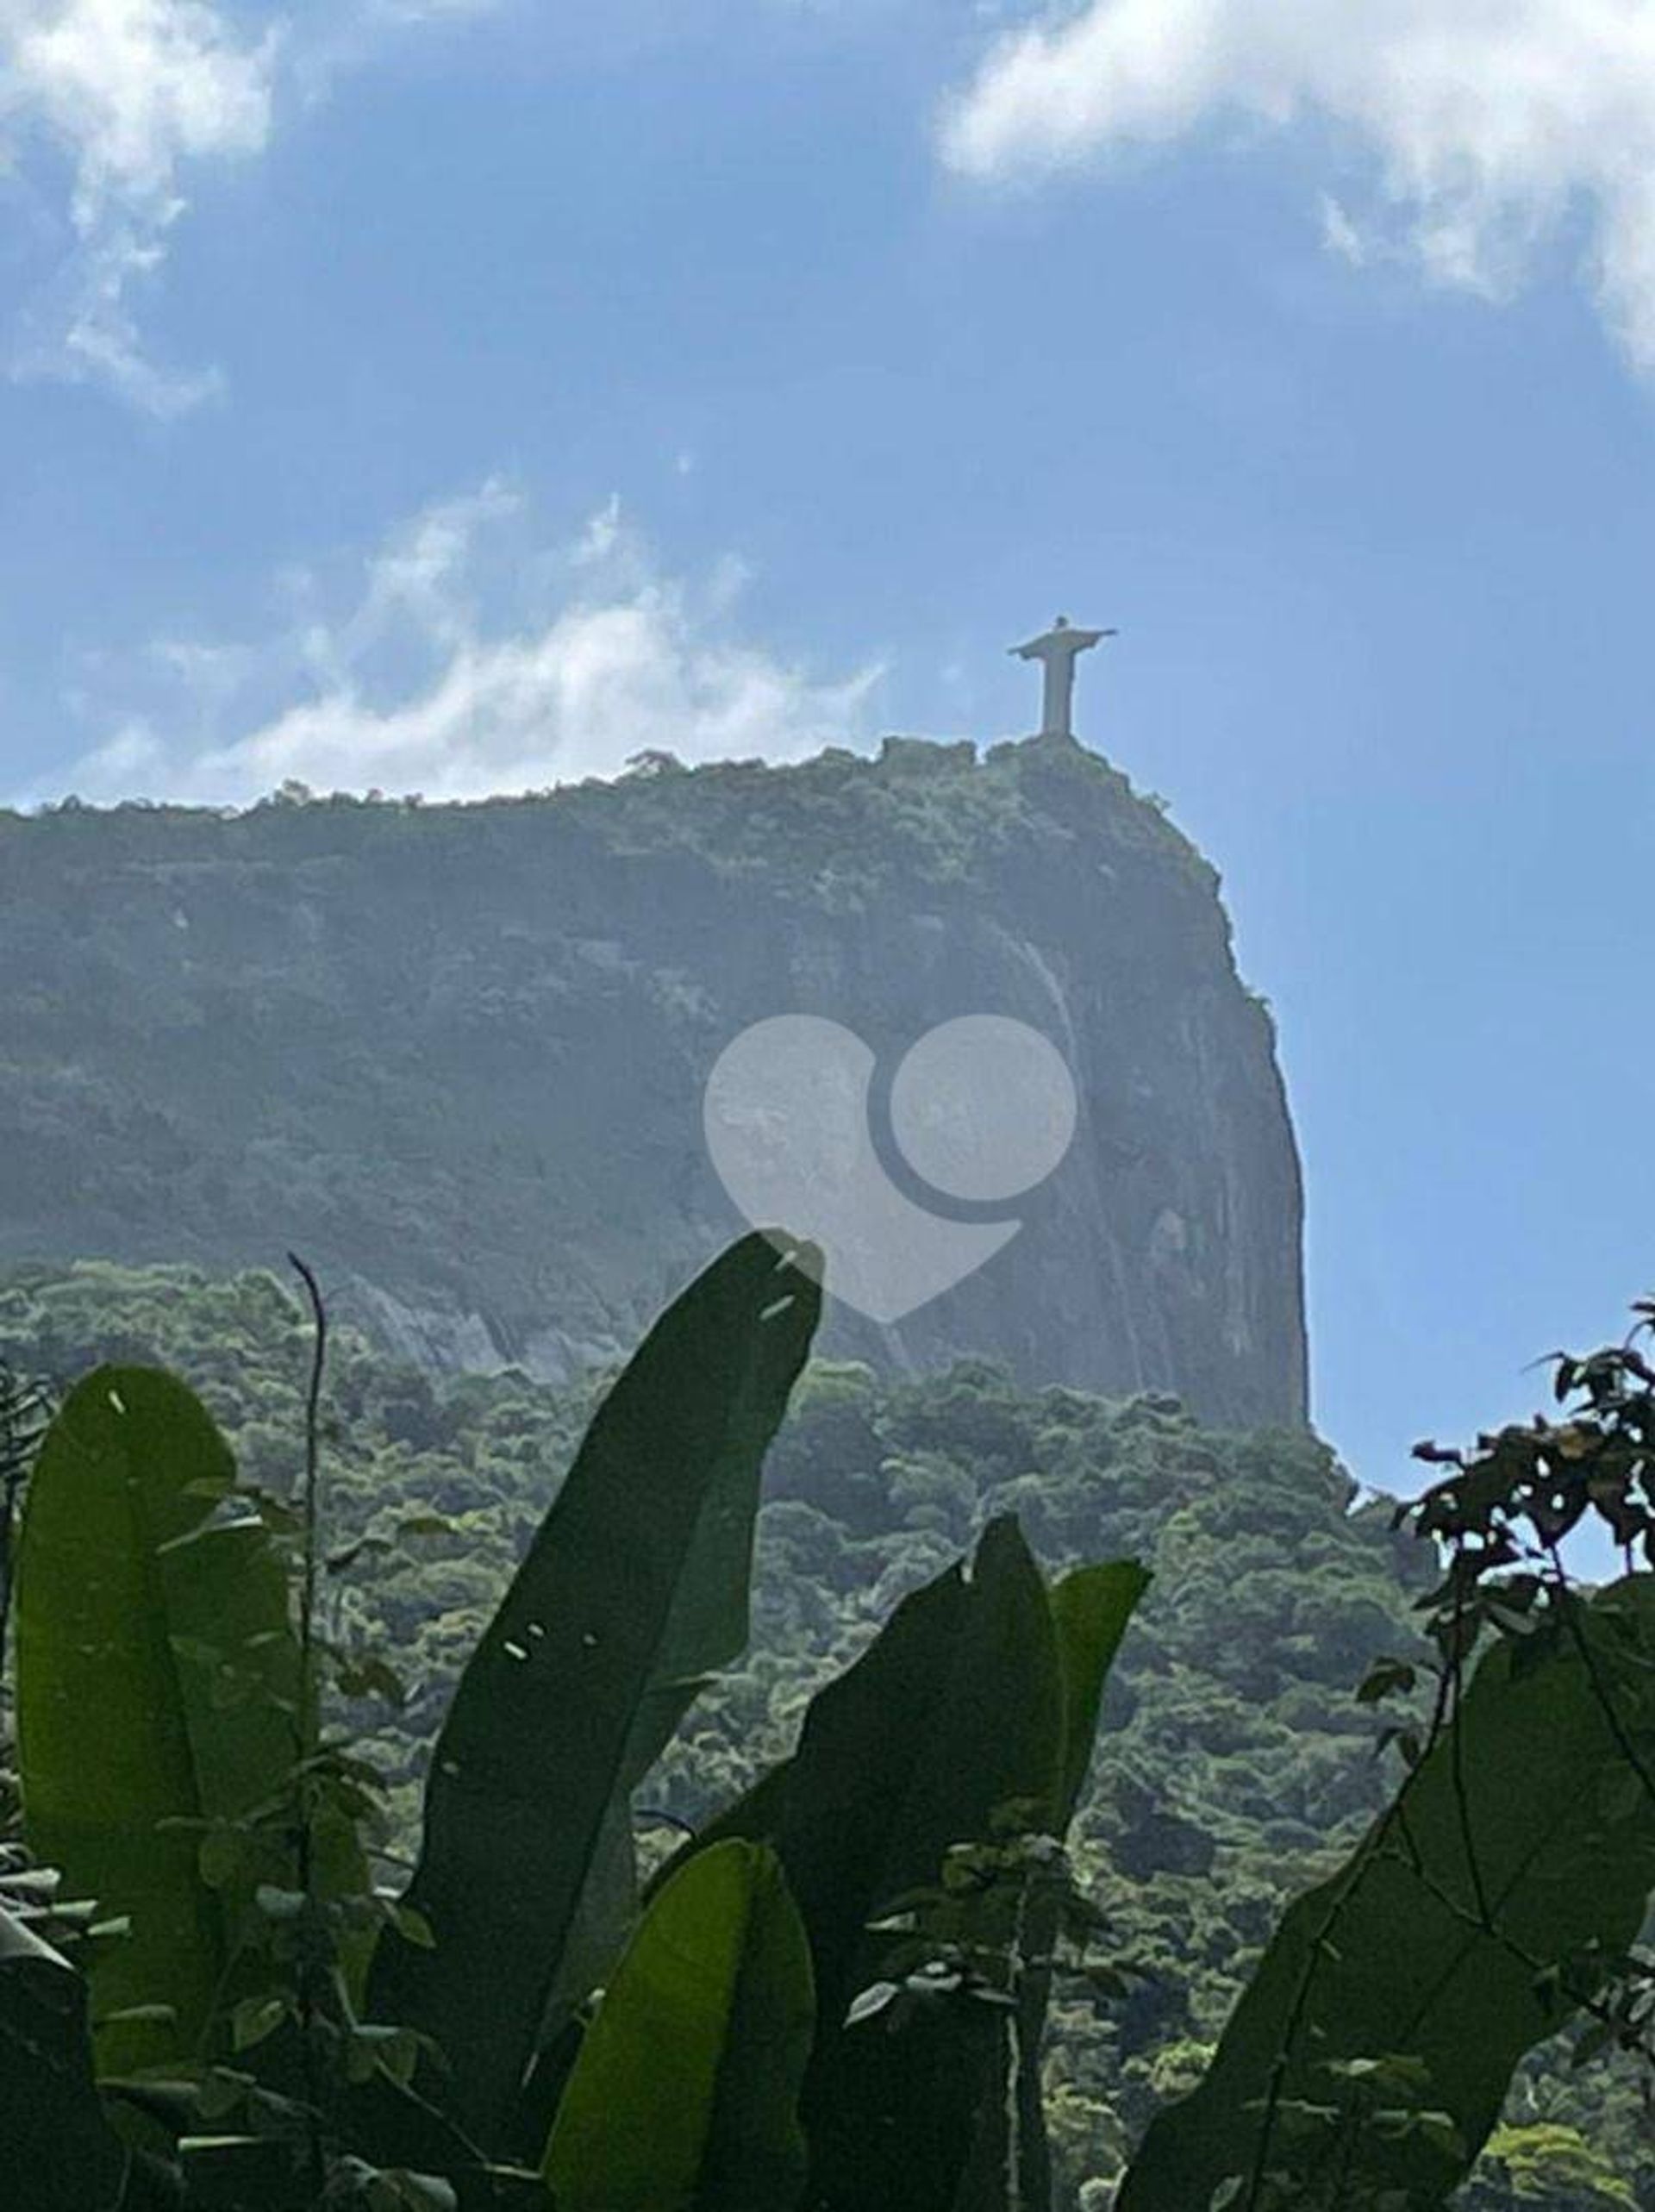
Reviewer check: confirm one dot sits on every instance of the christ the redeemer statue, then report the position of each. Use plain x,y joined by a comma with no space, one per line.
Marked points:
1057,649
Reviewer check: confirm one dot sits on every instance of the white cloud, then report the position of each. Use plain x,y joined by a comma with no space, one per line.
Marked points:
132,87
422,684
1341,234
113,109
125,96
1494,124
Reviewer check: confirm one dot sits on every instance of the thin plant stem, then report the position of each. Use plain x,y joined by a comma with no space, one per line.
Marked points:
310,1704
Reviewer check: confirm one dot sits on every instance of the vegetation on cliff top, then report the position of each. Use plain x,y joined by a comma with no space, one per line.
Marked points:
835,825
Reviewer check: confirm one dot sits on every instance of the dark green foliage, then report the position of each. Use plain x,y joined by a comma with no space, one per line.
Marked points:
700,2042
24,1412
166,1700
57,2147
1236,1755
633,1592
1238,1760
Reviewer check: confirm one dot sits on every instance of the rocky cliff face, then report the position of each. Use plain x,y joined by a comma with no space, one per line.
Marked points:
456,1056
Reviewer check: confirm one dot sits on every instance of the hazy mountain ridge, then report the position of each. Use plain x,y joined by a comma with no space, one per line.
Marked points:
456,1054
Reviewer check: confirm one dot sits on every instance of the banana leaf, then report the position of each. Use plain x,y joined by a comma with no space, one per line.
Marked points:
1373,2047
634,1591
954,1712
1090,1609
685,2095
157,1681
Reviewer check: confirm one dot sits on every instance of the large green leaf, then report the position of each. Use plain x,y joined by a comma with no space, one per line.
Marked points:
633,1591
685,2095
1388,1961
1090,1608
156,1677
954,1711
58,2154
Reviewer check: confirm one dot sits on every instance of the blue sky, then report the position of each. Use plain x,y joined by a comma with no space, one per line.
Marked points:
458,396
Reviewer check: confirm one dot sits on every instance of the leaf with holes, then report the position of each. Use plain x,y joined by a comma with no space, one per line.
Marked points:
635,1590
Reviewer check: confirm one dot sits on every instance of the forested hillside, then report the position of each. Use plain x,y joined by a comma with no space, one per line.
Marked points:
457,1054
1235,1761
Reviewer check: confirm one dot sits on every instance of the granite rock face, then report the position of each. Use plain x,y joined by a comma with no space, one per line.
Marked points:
455,1056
